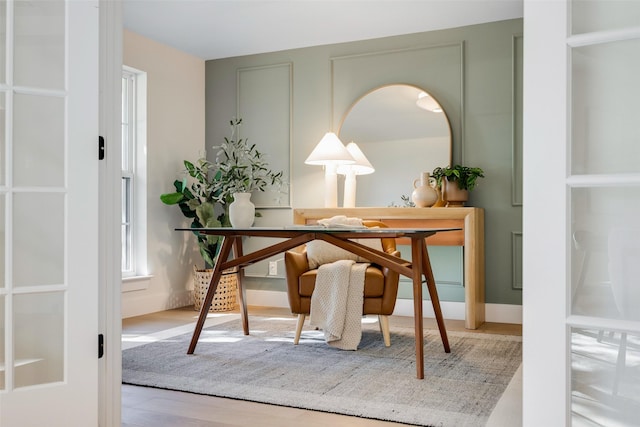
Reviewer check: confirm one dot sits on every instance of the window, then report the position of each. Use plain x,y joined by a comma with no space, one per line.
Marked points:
133,228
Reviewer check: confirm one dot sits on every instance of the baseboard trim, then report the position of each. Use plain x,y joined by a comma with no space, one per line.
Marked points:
496,313
138,305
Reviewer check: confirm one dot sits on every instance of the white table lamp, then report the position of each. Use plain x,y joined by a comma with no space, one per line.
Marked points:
330,153
362,166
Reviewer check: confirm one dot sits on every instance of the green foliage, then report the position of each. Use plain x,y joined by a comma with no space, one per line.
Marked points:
198,201
241,167
465,176
207,188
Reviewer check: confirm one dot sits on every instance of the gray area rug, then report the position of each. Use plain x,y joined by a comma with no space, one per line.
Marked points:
460,388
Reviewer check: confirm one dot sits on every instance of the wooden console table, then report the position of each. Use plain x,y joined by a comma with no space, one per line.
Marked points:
471,236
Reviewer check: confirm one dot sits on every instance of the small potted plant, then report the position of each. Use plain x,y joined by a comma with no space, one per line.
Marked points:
240,170
456,181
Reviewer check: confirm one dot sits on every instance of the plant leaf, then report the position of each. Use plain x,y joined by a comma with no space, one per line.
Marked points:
171,198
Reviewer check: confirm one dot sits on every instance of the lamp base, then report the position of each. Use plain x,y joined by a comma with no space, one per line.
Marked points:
349,200
330,186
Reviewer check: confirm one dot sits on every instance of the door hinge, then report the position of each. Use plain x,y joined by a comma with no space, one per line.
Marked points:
101,148
100,346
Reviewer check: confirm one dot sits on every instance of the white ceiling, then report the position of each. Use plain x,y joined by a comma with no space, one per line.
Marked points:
212,29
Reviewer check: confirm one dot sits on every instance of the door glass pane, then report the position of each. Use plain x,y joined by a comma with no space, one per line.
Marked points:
38,239
126,237
38,338
605,371
38,150
39,56
601,258
600,15
2,344
605,108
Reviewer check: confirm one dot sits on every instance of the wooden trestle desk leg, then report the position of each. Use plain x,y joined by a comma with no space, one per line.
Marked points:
433,294
242,293
416,264
213,285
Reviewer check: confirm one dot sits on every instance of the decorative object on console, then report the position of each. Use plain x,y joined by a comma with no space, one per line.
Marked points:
441,202
330,153
456,181
424,195
362,166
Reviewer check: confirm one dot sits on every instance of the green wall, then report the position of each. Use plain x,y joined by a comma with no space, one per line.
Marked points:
289,99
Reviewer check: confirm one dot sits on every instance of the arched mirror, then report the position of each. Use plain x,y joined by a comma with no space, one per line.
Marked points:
403,131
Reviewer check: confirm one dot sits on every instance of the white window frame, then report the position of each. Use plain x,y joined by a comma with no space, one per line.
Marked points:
134,149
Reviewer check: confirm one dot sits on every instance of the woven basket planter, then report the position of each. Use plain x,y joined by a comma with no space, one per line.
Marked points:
225,296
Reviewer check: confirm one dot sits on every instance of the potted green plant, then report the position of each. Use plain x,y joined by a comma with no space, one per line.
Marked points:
240,170
456,181
206,195
197,196
197,201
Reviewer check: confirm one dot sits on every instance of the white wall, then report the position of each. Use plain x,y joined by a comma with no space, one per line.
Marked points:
175,132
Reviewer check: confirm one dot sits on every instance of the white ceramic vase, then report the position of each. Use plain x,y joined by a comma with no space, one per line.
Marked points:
424,195
242,211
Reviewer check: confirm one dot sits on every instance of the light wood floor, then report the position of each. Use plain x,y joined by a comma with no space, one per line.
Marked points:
149,407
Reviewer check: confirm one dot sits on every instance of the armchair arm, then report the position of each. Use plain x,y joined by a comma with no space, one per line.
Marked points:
296,264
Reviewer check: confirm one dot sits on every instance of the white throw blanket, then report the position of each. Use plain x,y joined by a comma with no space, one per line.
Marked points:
336,303
341,221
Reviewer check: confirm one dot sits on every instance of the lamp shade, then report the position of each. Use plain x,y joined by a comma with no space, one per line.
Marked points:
362,166
330,151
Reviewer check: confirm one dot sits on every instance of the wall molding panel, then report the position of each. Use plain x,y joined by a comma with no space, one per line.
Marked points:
516,260
516,150
265,104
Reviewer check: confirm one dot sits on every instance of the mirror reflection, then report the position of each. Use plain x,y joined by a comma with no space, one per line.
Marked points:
403,131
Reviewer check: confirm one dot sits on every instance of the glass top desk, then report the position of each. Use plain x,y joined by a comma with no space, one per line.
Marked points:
294,236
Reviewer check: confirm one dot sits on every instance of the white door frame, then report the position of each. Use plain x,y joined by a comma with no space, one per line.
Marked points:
548,317
110,276
545,397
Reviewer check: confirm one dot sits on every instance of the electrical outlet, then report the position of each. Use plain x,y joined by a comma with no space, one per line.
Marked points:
273,268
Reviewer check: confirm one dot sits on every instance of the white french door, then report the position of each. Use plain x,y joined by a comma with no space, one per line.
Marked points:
49,213
581,213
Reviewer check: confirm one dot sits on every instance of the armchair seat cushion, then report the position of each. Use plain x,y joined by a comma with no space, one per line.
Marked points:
373,283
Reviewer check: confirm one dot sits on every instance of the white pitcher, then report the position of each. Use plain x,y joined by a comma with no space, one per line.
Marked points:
424,195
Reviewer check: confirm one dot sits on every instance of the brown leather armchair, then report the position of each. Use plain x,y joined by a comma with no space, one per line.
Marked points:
380,286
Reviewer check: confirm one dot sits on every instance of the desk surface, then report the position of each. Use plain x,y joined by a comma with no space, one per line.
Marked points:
345,232
416,269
